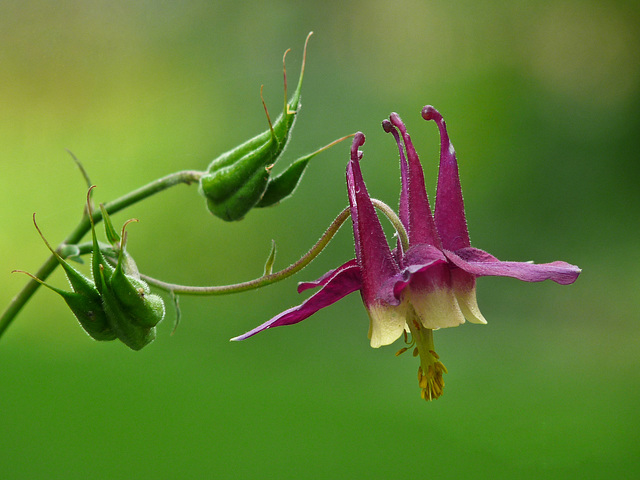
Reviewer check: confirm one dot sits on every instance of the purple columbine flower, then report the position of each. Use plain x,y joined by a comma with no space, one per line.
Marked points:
426,283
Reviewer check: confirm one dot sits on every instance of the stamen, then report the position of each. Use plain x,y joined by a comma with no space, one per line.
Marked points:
431,370
409,345
422,379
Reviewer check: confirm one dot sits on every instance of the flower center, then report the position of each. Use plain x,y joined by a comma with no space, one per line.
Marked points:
431,368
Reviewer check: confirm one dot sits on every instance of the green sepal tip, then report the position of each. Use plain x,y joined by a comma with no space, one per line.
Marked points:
85,301
268,266
282,186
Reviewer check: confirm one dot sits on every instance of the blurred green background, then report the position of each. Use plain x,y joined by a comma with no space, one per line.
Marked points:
542,101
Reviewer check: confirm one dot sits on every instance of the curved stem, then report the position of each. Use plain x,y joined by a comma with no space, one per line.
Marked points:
285,273
19,301
395,221
265,279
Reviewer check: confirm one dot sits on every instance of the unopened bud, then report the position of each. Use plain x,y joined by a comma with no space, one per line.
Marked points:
239,179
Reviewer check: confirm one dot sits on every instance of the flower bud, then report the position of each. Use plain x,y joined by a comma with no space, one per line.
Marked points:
131,310
84,301
87,308
236,181
116,303
122,320
144,308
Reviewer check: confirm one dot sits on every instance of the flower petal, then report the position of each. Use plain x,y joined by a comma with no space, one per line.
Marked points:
422,228
302,286
372,250
433,299
464,287
344,281
403,206
386,323
418,258
449,210
481,263
427,284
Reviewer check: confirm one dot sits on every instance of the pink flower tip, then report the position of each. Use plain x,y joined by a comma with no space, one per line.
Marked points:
358,141
430,113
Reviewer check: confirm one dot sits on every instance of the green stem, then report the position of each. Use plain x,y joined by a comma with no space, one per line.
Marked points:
265,279
282,274
395,221
19,301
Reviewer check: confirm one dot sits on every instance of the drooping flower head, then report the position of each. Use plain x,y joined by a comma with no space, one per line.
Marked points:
425,283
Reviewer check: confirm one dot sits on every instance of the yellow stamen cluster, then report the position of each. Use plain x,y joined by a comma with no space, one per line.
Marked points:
431,368
432,383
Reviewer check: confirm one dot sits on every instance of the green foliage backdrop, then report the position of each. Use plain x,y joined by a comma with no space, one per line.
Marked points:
542,103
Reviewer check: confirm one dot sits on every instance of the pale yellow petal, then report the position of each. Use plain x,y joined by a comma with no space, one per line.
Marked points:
386,324
469,305
436,308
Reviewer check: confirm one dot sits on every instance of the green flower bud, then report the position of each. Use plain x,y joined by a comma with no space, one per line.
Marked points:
85,301
116,303
129,265
144,308
131,310
237,180
87,308
121,320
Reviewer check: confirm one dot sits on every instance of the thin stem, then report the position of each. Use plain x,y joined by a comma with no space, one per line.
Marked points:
265,279
282,274
19,301
395,221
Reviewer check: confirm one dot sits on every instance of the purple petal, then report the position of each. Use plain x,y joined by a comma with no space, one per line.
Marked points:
372,250
480,263
449,210
358,141
344,281
422,228
429,287
418,258
302,286
403,208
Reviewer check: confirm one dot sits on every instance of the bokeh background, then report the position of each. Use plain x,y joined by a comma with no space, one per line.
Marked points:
542,101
